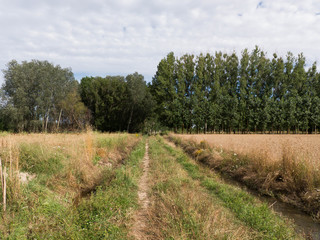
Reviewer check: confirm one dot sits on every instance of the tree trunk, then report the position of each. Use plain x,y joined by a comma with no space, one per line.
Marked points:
43,122
58,124
46,125
131,112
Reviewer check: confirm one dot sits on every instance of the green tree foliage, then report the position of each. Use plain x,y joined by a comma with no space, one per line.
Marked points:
137,92
227,93
32,93
164,87
117,103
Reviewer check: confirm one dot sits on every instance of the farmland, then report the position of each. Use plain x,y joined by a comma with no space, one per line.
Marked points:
122,186
286,166
272,147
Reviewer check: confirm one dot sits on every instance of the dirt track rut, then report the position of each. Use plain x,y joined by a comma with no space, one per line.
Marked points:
138,230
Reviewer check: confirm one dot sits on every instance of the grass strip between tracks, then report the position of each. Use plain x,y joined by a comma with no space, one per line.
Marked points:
181,209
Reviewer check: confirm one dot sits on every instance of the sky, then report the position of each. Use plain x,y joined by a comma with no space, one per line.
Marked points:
104,37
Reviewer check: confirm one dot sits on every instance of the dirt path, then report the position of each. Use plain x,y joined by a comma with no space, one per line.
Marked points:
138,230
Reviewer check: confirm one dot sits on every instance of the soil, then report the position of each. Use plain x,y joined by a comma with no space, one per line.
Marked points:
26,177
139,228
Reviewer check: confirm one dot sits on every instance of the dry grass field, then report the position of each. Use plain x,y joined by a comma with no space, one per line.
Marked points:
272,147
283,165
79,155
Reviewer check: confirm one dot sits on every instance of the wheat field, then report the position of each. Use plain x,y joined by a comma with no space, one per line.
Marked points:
271,147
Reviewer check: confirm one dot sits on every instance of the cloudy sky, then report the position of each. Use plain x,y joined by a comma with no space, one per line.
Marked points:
101,37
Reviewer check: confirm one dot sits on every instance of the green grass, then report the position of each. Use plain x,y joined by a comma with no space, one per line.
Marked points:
182,210
111,141
245,207
104,214
178,220
39,214
35,158
42,213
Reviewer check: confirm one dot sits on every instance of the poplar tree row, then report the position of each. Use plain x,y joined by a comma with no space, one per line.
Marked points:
227,93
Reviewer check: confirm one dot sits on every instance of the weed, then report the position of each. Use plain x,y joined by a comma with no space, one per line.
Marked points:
104,214
64,166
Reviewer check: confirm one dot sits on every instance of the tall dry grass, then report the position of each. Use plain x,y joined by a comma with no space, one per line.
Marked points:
285,165
9,172
80,171
65,169
293,153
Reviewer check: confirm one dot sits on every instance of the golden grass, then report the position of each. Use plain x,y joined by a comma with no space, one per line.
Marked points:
268,148
286,165
273,147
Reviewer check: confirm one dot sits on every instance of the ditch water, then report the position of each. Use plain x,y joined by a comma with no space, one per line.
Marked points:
303,222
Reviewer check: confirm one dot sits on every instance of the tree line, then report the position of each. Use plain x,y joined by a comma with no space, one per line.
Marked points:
227,93
38,96
217,92
117,103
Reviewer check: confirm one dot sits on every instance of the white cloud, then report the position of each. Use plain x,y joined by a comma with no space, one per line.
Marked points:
119,37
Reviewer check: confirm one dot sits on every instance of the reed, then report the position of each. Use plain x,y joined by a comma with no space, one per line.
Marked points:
9,173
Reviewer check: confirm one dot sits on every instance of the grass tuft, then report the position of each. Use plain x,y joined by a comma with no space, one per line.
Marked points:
35,158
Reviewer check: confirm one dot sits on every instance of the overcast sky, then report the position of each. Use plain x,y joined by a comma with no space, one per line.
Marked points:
100,37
